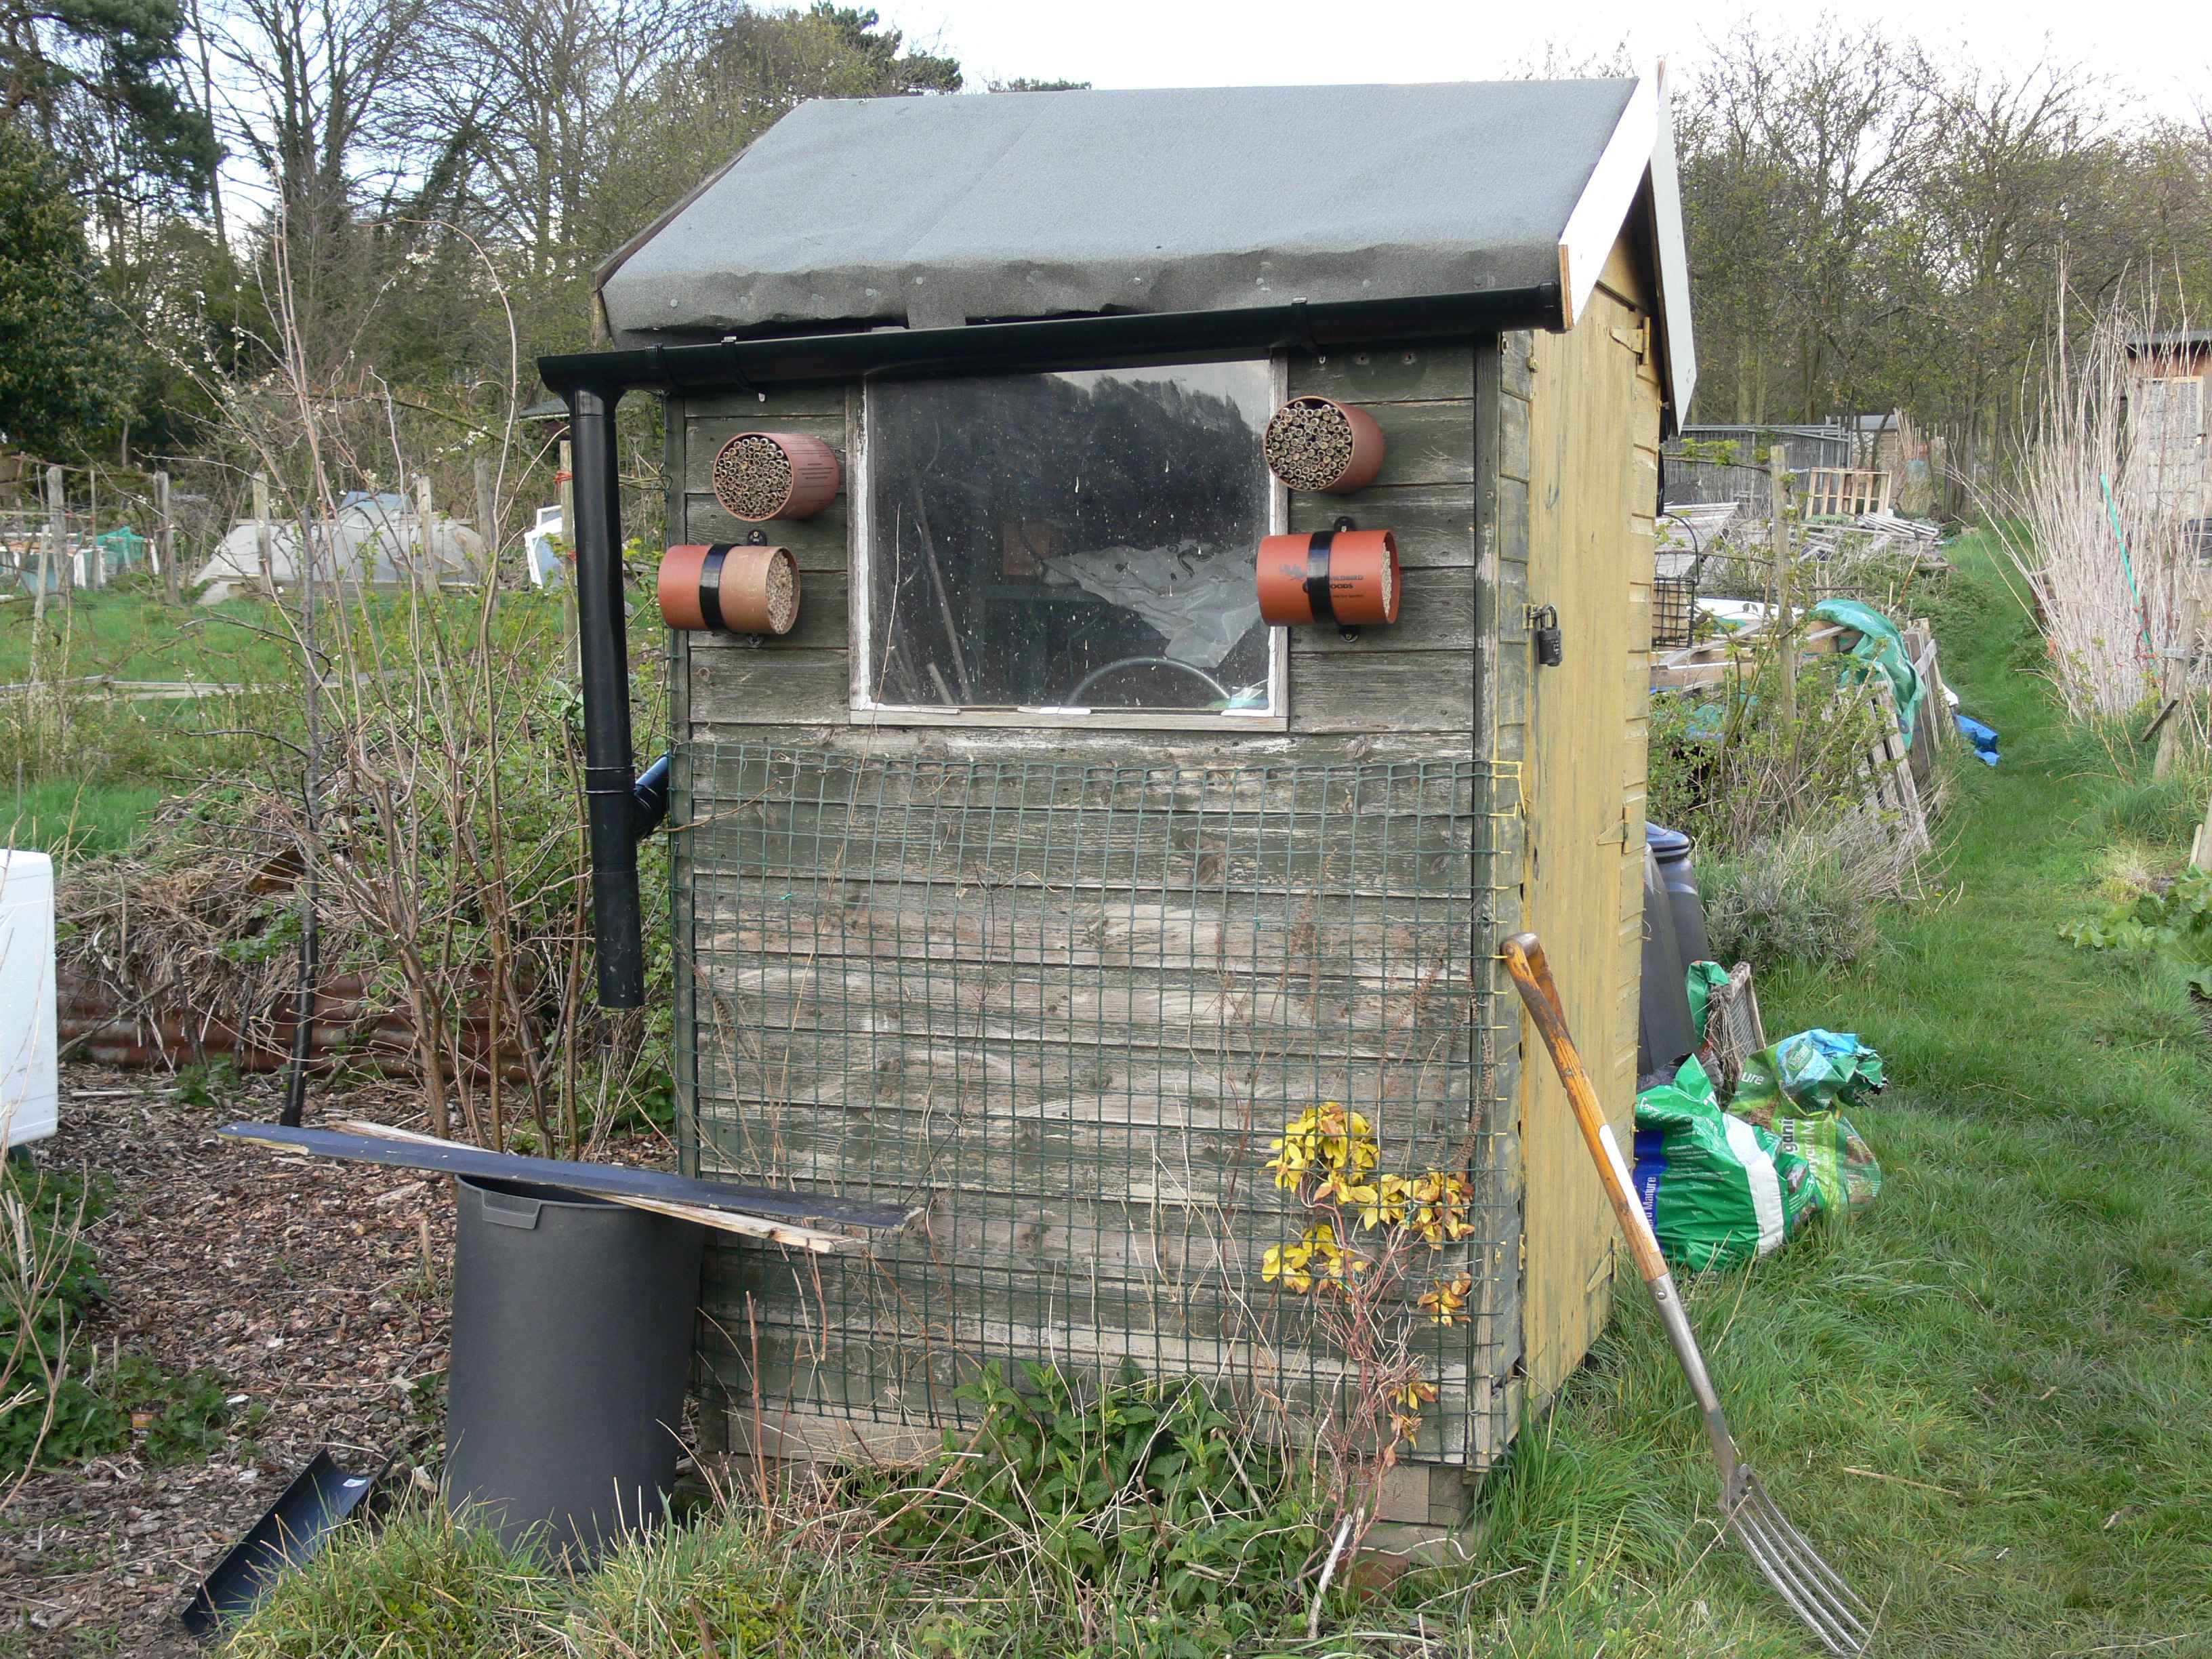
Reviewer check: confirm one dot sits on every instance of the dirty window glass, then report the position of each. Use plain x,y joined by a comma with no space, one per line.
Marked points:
1069,541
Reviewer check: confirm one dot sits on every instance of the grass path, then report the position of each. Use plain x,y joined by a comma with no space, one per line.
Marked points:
2017,1340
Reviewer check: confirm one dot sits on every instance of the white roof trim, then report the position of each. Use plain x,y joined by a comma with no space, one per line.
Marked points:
1674,261
1603,207
1641,150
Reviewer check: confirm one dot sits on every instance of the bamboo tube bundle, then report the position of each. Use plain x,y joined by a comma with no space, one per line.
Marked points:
775,474
1317,443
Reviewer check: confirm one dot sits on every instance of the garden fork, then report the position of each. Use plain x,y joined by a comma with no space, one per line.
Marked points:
1808,1584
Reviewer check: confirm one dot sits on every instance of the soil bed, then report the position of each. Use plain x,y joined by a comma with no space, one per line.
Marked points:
301,1283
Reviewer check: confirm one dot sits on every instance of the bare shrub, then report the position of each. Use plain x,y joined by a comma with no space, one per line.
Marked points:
1807,894
424,771
2095,516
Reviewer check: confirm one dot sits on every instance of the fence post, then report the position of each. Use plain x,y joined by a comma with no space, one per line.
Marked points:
58,532
165,541
424,523
95,561
1784,622
44,564
567,485
488,518
2174,676
261,546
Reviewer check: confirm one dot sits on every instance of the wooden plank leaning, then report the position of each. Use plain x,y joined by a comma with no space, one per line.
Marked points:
798,1219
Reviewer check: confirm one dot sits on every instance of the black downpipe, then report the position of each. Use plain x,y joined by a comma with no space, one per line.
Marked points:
603,648
650,798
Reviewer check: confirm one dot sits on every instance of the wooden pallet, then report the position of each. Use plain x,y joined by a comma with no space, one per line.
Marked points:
1891,793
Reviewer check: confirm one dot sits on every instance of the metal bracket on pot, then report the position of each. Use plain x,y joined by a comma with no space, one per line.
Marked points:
1344,521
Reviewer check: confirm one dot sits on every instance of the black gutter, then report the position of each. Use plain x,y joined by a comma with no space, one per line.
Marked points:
621,808
1051,343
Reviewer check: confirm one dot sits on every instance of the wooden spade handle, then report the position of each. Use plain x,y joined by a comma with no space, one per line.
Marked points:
1532,977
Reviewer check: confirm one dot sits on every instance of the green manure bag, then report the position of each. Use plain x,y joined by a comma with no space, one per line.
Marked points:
1719,1191
1797,1089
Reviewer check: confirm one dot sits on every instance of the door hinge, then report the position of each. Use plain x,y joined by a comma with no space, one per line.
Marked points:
1637,339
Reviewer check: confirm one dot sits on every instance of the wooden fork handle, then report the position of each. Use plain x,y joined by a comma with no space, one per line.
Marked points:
1532,977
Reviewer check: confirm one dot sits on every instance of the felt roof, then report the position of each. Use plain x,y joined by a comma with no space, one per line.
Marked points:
935,212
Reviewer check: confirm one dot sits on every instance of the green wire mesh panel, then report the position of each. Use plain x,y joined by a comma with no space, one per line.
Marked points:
1062,1008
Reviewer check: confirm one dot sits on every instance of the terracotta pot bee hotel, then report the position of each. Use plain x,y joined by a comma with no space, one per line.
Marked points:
1067,868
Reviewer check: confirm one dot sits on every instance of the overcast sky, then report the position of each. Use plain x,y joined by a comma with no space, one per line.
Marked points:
2161,50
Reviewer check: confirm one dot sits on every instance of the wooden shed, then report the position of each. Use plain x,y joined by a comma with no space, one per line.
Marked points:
1032,877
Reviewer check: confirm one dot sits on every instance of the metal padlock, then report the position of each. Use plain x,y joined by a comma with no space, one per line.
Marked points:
1551,645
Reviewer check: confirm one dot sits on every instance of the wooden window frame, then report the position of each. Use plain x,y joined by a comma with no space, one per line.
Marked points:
863,710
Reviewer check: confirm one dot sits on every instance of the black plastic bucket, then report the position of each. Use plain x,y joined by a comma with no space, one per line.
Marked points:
1679,877
571,1343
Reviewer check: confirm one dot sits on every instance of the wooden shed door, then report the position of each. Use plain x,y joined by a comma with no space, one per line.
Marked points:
1593,445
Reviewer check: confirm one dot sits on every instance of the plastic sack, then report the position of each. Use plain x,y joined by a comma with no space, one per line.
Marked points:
1702,979
1797,1089
1719,1191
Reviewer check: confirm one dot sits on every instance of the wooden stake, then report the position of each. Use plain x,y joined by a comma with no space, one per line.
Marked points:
1784,624
568,482
164,542
425,521
57,529
38,600
2175,675
261,546
487,516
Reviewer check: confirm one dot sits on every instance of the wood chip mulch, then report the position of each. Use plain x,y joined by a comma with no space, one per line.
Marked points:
301,1284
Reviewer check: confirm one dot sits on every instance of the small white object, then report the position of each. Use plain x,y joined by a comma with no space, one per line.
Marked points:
27,1083
546,569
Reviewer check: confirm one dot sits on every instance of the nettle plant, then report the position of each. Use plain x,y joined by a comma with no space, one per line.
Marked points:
1371,1234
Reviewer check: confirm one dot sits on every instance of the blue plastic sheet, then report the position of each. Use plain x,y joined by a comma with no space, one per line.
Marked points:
1983,738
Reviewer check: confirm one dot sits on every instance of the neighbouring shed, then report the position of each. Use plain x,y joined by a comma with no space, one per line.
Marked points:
1031,876
2170,422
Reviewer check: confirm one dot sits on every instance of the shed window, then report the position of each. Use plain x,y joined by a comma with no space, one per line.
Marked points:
1069,544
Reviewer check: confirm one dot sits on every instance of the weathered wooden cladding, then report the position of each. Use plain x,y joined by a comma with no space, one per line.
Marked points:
1073,1059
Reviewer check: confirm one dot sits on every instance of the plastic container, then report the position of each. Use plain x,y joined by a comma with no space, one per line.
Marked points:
1346,577
1663,1034
28,1096
1680,876
571,1343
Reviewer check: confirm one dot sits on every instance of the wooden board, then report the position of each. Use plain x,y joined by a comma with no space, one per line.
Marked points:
608,1180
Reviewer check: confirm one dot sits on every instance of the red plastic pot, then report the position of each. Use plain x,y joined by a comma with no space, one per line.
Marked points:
729,589
1282,442
814,477
1346,577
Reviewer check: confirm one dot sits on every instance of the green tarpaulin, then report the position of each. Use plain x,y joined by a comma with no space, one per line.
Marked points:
1879,646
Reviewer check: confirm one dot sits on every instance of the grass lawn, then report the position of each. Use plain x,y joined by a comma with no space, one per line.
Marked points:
130,633
1990,1401
124,755
75,820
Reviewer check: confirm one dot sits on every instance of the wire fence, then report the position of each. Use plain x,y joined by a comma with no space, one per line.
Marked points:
1062,1008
